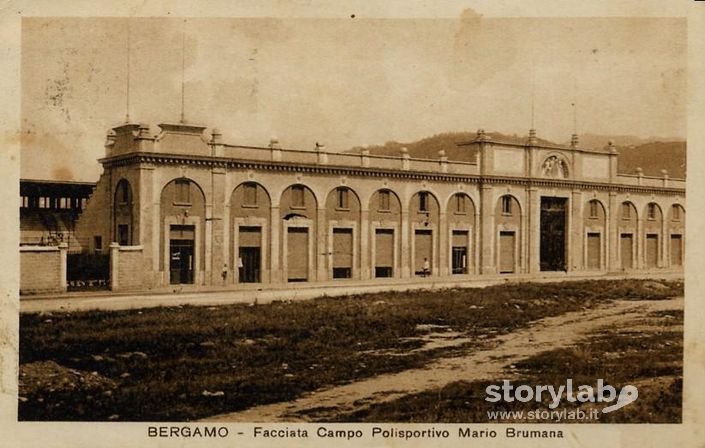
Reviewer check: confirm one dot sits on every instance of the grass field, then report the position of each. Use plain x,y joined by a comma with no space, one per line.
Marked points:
184,363
650,358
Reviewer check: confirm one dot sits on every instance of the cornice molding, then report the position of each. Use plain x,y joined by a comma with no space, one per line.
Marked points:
231,163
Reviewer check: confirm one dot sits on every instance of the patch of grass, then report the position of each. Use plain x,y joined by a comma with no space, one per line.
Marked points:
652,362
183,363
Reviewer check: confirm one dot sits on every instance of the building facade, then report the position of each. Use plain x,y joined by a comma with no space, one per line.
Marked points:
49,211
195,210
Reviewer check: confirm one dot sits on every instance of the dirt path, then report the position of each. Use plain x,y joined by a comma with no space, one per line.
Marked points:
546,334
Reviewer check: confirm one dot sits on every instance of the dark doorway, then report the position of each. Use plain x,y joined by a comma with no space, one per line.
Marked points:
181,255
249,254
123,234
423,252
460,256
459,252
249,265
553,234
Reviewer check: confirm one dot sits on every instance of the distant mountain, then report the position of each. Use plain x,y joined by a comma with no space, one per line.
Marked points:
651,156
427,148
654,157
589,140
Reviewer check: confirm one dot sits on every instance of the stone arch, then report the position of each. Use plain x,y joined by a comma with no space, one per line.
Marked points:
629,240
469,203
289,201
595,211
384,216
508,233
463,233
676,213
390,206
183,214
508,209
676,235
653,235
300,238
250,234
628,213
342,233
595,238
424,219
239,197
353,203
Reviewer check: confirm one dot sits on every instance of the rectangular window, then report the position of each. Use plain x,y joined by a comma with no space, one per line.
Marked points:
459,204
651,212
123,234
506,205
342,199
250,195
384,201
124,193
183,192
297,196
423,201
97,244
342,273
676,213
383,272
626,211
593,209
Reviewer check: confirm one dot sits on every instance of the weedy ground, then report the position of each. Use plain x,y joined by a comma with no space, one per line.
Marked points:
648,355
184,363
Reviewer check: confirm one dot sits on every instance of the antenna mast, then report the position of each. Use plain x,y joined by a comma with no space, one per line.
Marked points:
533,92
127,96
575,105
183,59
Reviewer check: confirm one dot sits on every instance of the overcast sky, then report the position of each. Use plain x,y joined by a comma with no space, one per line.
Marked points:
344,82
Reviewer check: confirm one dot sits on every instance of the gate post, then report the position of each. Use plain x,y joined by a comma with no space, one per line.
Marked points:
63,250
114,266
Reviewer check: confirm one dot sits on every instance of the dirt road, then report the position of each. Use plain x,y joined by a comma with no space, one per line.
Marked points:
472,365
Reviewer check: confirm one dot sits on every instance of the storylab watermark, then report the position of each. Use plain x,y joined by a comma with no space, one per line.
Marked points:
601,393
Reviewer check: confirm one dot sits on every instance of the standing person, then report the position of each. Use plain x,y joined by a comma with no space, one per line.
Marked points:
426,267
225,274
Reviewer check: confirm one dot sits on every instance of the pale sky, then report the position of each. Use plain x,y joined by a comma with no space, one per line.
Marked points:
344,82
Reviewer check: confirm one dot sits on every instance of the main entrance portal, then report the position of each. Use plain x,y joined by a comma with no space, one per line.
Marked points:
553,234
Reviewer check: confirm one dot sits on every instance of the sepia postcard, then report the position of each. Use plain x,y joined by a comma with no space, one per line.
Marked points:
355,223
